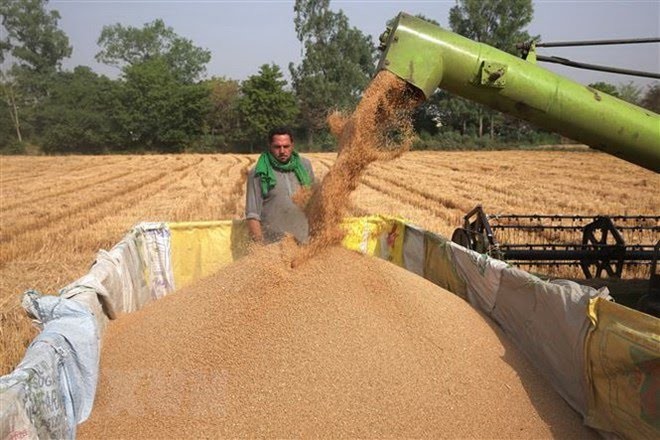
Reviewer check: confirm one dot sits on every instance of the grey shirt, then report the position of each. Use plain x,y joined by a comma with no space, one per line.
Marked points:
276,211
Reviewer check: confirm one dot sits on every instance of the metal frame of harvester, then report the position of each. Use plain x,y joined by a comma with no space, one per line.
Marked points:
598,245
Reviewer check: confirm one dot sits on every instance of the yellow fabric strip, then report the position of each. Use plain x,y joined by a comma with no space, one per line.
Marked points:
202,248
623,370
199,249
379,236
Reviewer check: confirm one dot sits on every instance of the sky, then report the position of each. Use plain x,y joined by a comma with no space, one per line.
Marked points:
243,35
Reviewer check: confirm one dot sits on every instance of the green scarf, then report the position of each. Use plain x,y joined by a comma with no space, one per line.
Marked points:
267,163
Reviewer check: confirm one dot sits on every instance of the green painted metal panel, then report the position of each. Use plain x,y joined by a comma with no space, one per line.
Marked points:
429,57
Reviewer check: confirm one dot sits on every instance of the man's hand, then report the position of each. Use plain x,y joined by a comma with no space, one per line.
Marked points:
254,227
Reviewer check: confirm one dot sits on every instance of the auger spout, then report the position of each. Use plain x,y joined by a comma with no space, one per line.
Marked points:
428,57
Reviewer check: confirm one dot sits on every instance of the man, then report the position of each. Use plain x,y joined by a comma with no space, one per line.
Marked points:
279,173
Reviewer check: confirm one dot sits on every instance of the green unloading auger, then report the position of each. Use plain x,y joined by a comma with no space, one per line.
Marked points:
428,57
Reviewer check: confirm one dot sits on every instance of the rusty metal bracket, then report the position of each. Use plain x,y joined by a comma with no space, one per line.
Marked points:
492,74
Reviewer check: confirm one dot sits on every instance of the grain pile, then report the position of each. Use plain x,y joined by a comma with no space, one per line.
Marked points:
344,345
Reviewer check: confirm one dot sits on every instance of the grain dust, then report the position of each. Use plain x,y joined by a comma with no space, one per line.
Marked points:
380,128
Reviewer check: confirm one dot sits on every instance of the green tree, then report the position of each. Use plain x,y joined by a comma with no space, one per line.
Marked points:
265,104
31,36
33,47
608,88
223,109
455,113
338,63
651,99
157,112
127,46
630,92
221,123
79,113
498,23
7,130
12,101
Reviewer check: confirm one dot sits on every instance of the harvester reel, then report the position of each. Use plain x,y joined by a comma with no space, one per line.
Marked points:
481,243
596,244
462,236
476,233
603,237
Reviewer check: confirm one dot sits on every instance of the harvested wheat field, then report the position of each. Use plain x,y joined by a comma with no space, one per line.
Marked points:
342,345
57,212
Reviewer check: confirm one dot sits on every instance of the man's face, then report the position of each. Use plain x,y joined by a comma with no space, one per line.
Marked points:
281,147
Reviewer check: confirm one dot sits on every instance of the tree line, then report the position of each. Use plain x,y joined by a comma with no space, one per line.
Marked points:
162,101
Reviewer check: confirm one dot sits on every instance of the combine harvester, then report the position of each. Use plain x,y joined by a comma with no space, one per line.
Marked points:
601,249
601,357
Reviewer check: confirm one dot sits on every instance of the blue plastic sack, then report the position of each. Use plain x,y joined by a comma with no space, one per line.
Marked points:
52,389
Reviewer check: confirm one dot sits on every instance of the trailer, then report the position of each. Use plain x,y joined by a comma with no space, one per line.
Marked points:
600,356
